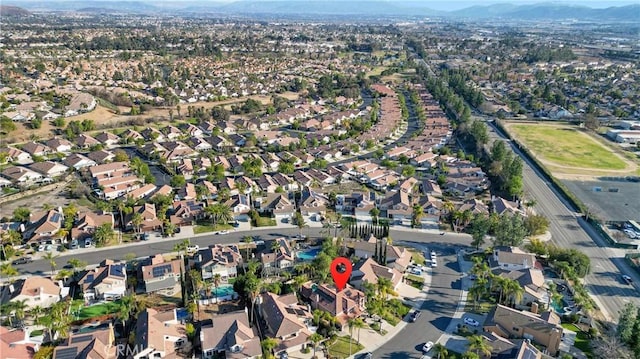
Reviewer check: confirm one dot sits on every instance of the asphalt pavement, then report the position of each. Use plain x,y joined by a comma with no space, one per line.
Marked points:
568,230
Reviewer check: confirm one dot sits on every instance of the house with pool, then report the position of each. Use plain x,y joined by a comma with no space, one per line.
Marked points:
217,259
280,259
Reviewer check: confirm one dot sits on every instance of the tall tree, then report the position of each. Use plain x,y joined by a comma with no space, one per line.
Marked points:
478,345
51,258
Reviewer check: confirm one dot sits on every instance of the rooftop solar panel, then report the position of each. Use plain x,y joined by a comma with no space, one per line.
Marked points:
55,217
160,271
82,338
66,353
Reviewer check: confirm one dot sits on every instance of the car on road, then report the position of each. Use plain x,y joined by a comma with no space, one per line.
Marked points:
258,241
427,346
23,260
470,321
415,315
627,279
367,355
434,263
222,232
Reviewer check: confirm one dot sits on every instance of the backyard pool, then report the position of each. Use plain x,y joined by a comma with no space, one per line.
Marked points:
223,290
309,254
561,308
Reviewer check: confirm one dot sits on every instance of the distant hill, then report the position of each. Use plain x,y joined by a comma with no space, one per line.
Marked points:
345,8
8,10
546,11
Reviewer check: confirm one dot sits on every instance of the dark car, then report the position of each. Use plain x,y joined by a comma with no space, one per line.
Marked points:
415,315
23,260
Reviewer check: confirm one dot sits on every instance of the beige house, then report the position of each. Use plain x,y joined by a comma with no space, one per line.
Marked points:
107,282
230,334
35,291
542,329
344,305
159,334
287,321
95,344
369,271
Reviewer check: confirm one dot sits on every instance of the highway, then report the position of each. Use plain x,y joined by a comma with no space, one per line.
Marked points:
570,231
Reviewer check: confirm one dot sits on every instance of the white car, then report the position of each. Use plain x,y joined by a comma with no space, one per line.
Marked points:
427,346
223,232
433,263
470,321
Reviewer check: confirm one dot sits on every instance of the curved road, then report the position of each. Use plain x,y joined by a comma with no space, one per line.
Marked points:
569,230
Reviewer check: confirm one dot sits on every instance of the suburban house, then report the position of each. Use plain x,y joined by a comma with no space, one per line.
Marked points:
49,168
35,291
106,282
532,281
16,155
344,305
218,259
286,321
397,257
281,258
313,203
232,335
542,329
78,161
512,258
16,344
502,206
107,138
59,145
502,348
240,206
369,271
21,175
159,275
150,221
86,141
159,334
184,213
87,223
277,205
398,207
36,149
100,343
42,227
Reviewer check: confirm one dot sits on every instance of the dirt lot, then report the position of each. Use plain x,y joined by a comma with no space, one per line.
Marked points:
211,310
102,117
40,201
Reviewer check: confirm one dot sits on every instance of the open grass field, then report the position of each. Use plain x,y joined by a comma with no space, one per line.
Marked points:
566,149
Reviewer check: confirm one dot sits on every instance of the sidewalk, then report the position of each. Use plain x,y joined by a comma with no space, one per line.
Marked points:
372,340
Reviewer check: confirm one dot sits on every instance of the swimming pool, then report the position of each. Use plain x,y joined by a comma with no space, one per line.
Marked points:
561,308
223,290
309,254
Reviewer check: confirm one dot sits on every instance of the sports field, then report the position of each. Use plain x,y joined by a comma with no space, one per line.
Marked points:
566,149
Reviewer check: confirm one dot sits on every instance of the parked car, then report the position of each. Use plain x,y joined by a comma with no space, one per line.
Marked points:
222,232
470,321
433,263
627,279
415,315
22,260
427,346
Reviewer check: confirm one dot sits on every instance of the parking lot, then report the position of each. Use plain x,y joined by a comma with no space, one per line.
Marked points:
609,200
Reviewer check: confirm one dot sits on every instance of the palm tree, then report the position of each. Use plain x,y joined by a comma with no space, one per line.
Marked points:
9,238
416,215
181,247
136,221
275,247
351,324
7,270
516,292
76,264
126,307
64,274
247,240
315,339
104,233
219,212
51,258
478,345
217,278
35,313
253,286
19,307
358,324
440,351
300,223
374,213
6,309
268,344
384,287
470,355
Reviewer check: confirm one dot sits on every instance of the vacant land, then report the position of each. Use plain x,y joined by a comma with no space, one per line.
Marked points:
566,149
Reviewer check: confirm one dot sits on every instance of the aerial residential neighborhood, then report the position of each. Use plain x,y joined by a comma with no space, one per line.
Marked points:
177,179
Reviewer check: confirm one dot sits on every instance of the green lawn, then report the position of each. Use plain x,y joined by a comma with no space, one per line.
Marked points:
340,349
265,222
566,146
417,257
416,282
483,306
199,228
95,310
582,339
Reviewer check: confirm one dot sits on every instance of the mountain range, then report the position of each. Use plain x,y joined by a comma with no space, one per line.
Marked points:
365,8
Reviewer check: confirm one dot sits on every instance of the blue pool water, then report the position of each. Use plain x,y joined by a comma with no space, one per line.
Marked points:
309,254
223,290
559,307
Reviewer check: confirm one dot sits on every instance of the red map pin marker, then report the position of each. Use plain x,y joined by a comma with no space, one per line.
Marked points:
340,271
